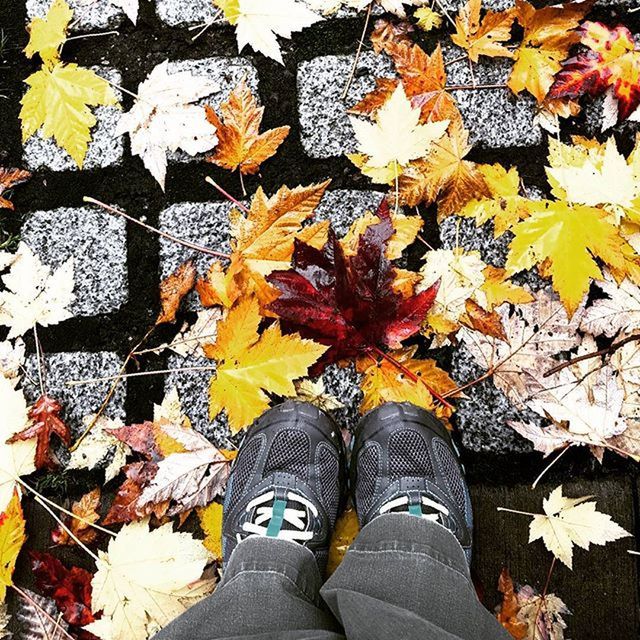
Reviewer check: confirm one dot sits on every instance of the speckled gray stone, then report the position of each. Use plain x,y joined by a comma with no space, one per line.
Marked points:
181,12
189,12
98,244
483,414
79,401
343,206
87,14
105,149
193,390
495,117
325,127
344,384
204,223
226,73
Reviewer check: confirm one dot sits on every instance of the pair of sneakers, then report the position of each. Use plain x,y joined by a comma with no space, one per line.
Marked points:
289,480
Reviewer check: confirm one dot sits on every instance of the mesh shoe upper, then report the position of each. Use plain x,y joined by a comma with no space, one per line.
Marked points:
287,480
403,460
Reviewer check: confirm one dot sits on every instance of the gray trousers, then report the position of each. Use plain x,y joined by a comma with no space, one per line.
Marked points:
402,578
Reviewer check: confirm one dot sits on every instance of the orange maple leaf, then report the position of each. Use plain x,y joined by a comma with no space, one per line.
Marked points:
483,37
444,174
424,80
240,143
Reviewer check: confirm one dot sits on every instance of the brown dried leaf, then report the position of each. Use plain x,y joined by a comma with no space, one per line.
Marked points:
174,288
87,509
9,178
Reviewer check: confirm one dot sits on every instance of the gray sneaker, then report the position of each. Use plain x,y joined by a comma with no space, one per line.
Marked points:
404,461
287,481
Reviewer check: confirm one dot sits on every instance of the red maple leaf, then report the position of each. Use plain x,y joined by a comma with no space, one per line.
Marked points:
611,60
348,302
70,588
45,422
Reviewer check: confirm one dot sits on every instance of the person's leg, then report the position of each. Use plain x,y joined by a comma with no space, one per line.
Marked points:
406,575
280,508
270,591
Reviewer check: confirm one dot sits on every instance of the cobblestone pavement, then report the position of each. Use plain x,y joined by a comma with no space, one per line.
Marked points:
118,267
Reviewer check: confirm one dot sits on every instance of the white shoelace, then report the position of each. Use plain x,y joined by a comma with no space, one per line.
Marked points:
274,515
404,501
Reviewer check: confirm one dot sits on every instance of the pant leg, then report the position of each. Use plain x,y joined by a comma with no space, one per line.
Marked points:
270,591
406,577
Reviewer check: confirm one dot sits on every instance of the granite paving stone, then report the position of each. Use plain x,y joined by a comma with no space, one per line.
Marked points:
88,15
98,245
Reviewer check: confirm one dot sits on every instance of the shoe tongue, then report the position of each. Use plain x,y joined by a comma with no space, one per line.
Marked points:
415,506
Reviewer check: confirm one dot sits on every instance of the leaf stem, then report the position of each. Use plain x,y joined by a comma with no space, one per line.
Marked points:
39,361
138,374
412,376
29,488
612,348
164,234
354,66
226,194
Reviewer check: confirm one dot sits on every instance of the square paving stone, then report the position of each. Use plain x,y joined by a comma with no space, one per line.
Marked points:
343,206
77,401
325,127
181,12
98,245
496,118
88,15
105,148
602,589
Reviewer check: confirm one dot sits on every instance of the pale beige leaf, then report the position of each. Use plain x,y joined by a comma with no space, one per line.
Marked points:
567,522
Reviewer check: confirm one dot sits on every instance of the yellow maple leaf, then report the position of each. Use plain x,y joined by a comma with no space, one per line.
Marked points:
406,229
211,522
344,533
263,240
250,365
483,37
58,100
427,18
549,33
383,381
444,174
240,143
265,236
505,206
564,240
497,289
12,537
46,35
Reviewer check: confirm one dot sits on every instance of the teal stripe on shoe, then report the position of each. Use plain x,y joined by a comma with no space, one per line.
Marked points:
415,510
275,524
